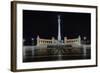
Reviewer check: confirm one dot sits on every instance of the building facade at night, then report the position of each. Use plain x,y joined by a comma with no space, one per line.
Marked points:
53,41
56,49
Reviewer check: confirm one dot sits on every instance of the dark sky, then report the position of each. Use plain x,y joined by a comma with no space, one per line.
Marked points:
45,24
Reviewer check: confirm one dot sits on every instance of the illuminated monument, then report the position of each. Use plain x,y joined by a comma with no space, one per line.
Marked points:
59,41
56,49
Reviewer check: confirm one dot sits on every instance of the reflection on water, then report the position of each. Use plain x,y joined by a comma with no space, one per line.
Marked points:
33,54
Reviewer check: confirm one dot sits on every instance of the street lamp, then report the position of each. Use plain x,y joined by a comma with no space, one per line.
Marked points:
32,41
85,38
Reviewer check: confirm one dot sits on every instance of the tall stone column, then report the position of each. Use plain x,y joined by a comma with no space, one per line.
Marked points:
79,38
65,40
38,38
53,40
59,30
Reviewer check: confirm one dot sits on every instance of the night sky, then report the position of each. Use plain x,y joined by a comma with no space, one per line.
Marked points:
45,24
